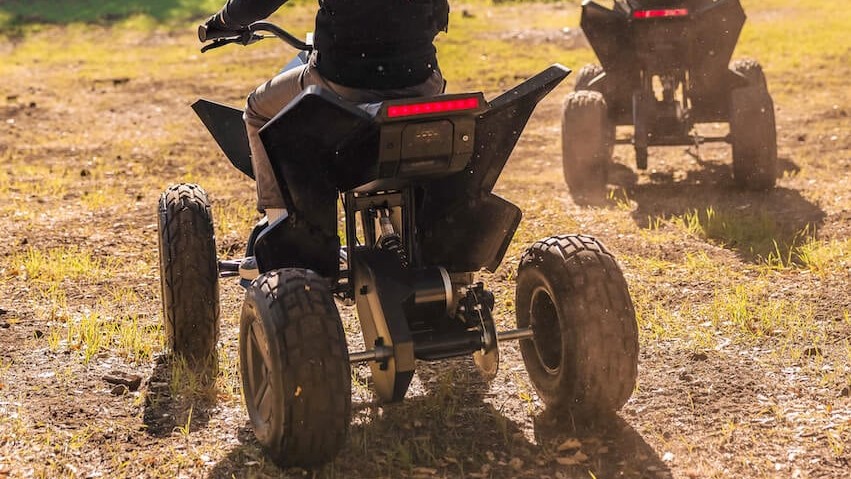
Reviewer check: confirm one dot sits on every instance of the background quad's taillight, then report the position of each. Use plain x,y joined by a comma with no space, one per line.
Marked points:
430,107
661,13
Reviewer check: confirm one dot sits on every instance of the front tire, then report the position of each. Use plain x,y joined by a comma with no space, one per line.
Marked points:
753,130
189,275
588,138
583,358
295,368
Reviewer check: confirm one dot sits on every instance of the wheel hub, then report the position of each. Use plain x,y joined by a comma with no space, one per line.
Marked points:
545,323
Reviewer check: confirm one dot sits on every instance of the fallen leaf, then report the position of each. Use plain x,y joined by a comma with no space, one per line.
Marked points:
427,471
567,461
573,460
569,444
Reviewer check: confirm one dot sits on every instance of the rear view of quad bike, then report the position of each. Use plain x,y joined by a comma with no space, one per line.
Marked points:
664,71
414,179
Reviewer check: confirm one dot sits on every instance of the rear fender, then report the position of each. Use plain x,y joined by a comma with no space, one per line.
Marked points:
464,226
608,34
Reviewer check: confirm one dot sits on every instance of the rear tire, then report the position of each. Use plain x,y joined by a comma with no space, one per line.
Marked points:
295,368
588,136
585,75
753,131
583,360
189,276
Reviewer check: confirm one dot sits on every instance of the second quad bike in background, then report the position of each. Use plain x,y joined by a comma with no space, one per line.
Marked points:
414,178
664,70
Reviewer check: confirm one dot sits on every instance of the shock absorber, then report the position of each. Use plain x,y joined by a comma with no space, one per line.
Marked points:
390,240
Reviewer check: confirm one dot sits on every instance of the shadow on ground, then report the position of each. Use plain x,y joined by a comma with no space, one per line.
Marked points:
755,224
452,431
174,394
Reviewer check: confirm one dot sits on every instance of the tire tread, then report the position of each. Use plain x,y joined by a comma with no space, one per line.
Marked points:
189,273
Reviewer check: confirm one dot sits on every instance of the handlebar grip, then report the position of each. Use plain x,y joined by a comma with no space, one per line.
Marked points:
202,33
208,32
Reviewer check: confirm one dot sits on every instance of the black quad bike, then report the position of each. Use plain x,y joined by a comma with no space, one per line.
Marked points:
664,71
414,179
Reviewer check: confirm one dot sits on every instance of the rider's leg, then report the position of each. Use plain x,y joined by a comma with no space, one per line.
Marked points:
271,97
264,103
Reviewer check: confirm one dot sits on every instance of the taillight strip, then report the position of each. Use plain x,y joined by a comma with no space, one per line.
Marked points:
425,108
670,12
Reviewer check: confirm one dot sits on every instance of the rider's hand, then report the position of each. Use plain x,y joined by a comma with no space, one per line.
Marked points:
217,27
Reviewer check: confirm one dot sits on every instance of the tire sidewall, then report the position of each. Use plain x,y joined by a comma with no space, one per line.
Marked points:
536,273
254,310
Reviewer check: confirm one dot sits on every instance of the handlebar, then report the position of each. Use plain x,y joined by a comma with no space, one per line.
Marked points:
247,36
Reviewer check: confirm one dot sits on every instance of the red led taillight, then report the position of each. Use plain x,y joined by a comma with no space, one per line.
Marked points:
424,108
670,12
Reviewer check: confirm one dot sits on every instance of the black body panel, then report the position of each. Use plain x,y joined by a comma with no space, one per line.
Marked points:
326,145
228,129
464,226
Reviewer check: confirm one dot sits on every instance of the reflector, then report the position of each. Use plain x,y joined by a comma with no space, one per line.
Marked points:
670,12
424,108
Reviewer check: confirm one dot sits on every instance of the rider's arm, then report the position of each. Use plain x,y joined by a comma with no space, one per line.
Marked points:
245,12
441,15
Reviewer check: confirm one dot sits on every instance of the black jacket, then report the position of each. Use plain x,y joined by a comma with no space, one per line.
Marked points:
375,44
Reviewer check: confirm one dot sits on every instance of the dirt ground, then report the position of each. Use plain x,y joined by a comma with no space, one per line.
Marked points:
744,366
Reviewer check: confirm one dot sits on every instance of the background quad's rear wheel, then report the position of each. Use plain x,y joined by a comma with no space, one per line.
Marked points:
585,75
752,128
295,369
588,137
189,276
583,360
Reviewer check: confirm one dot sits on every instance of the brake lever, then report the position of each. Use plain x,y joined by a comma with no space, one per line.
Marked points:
218,43
245,38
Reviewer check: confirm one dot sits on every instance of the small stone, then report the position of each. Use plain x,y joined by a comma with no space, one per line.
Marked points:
84,173
119,390
846,392
812,351
38,334
802,138
129,381
699,356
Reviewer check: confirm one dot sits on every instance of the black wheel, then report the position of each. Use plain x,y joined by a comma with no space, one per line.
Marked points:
588,136
294,362
750,69
583,358
585,75
189,275
752,130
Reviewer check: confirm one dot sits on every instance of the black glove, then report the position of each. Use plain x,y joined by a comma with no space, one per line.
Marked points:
217,27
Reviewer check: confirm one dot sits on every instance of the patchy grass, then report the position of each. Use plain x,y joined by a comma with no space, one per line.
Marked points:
60,264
